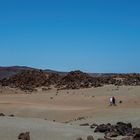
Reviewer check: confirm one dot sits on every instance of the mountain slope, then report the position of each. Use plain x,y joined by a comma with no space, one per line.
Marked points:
6,72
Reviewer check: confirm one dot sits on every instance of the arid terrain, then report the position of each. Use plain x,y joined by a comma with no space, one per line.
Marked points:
67,105
54,114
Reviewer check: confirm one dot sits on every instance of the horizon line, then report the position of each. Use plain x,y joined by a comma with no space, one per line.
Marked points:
32,67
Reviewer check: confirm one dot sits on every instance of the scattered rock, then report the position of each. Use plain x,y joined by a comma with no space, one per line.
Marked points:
103,128
80,118
84,124
11,115
119,129
109,130
124,128
120,102
24,136
1,114
51,98
93,125
112,134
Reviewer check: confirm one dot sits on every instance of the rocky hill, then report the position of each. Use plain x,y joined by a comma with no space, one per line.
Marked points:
29,79
76,80
6,72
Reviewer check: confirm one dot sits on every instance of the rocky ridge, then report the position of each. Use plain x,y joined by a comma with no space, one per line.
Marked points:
31,79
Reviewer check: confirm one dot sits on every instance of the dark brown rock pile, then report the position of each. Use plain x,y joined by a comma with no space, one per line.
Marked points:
2,114
76,80
127,79
29,80
120,129
111,132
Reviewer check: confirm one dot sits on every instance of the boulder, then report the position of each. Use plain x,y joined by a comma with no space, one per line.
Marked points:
24,136
103,128
124,128
11,115
1,114
112,134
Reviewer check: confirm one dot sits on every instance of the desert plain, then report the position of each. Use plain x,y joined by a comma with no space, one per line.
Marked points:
58,114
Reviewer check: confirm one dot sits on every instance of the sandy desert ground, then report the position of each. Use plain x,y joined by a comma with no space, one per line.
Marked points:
54,115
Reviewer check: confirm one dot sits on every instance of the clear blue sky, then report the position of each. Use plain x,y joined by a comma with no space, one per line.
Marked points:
90,35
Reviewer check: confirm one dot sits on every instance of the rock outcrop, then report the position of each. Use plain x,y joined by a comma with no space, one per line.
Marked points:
30,79
120,129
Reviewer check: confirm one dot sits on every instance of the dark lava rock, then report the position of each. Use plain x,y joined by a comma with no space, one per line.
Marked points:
112,134
11,115
120,102
124,128
1,114
103,128
120,129
84,124
24,136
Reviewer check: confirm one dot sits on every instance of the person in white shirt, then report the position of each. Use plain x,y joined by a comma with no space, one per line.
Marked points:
111,101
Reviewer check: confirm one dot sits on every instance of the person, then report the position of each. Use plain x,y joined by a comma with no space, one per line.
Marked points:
111,101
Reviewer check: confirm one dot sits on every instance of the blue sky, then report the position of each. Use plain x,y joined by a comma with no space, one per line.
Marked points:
90,35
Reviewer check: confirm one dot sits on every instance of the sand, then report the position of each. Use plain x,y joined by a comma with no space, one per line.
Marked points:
32,110
39,129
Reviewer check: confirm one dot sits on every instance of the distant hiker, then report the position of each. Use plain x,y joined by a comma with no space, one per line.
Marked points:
114,101
111,101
